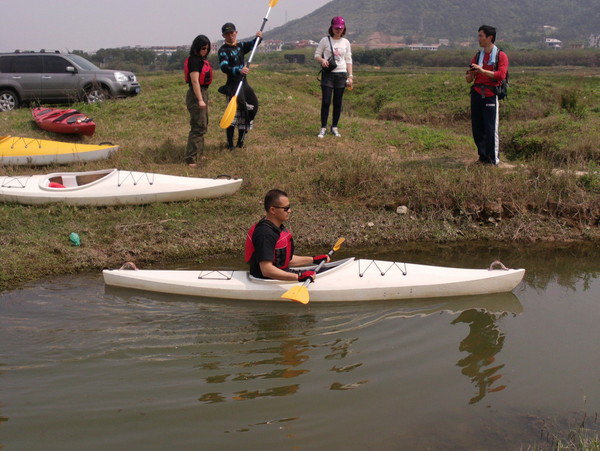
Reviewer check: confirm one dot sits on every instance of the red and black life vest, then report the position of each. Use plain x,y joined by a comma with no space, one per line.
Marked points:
284,247
206,74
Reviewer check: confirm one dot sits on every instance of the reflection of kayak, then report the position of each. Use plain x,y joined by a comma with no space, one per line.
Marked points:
110,187
15,150
494,303
345,280
63,121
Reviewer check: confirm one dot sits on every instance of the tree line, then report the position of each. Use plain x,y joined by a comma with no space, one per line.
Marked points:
139,60
145,60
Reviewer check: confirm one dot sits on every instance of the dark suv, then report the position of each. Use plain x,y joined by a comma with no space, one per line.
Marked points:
58,77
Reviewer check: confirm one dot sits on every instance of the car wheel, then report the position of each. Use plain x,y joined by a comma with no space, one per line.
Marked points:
96,94
8,100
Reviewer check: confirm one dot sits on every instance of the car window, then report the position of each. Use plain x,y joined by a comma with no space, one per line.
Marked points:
83,63
7,64
55,64
28,64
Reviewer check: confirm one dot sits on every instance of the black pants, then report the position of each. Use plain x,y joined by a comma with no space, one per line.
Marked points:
244,115
338,94
484,122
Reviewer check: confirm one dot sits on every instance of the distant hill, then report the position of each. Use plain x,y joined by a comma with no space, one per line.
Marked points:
457,20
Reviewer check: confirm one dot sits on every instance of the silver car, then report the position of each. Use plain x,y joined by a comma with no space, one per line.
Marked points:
58,77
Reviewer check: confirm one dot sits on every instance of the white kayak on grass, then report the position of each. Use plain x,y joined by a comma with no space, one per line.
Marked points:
346,280
110,187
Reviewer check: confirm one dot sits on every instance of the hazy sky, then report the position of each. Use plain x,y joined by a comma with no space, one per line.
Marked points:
94,24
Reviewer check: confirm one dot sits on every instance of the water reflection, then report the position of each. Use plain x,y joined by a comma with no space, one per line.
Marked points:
284,342
287,354
483,343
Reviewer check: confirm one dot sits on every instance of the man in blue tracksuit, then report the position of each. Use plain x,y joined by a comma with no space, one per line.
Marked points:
231,62
487,70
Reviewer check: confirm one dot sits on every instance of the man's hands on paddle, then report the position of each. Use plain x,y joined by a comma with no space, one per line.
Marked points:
304,276
319,258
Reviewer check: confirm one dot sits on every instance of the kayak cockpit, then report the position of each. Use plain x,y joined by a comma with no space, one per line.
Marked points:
332,266
74,180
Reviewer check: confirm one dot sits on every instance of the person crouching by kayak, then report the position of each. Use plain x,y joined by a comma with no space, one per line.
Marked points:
270,246
231,62
198,75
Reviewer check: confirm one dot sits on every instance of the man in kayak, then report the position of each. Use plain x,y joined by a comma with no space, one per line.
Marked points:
270,246
231,62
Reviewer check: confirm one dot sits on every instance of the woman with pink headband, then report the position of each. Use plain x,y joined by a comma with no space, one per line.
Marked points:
334,82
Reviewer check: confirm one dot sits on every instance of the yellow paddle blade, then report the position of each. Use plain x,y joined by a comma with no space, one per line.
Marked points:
338,244
229,113
298,293
273,3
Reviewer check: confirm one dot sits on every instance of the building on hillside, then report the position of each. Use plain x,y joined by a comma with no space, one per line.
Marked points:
297,58
390,45
270,45
445,42
430,47
380,40
267,45
167,50
553,43
594,41
304,43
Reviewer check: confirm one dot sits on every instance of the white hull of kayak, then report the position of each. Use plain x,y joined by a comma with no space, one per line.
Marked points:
111,187
350,280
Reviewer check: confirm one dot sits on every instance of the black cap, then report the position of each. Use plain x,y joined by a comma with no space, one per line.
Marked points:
227,28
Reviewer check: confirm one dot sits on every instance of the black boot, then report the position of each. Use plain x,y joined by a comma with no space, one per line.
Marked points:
229,133
241,137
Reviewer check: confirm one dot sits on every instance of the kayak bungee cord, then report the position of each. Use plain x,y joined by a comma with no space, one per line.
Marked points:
7,183
135,182
383,273
16,140
206,274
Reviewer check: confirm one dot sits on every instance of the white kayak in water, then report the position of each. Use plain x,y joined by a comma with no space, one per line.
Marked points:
346,280
111,187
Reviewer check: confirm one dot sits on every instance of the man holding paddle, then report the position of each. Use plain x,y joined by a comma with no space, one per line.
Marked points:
231,62
270,246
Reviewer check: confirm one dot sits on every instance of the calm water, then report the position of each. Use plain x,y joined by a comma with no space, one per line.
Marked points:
83,366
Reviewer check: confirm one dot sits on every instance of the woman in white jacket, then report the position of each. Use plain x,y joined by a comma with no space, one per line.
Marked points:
333,83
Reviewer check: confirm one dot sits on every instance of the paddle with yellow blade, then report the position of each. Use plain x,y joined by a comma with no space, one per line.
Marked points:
231,109
299,293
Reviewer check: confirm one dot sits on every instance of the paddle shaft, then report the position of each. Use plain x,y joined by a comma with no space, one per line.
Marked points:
237,91
319,266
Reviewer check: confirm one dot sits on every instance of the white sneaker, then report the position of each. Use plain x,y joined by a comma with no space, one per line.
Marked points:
322,133
335,132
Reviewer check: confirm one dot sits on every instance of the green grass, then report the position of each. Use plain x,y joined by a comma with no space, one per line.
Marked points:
406,141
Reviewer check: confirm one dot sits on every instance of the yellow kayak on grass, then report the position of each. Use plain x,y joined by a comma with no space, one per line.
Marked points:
15,150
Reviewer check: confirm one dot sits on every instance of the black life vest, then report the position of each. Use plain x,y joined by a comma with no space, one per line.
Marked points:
206,74
283,247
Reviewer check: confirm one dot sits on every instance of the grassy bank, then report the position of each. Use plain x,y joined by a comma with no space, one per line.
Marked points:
406,141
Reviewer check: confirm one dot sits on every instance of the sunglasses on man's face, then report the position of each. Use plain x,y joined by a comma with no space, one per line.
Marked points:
338,28
286,208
